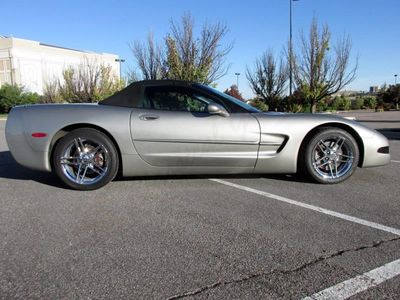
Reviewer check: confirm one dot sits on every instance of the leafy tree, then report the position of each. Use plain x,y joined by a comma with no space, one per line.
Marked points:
322,105
295,103
341,103
369,101
357,103
185,56
234,92
390,95
12,95
200,59
268,79
321,69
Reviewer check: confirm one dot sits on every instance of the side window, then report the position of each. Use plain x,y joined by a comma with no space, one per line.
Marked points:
176,99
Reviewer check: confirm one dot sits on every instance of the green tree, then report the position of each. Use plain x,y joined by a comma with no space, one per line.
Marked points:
390,95
357,103
341,103
12,95
322,69
258,103
196,58
369,101
185,55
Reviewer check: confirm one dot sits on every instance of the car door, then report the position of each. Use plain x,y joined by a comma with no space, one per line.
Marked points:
177,130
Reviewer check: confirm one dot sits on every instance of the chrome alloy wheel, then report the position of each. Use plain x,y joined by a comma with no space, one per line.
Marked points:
84,161
333,157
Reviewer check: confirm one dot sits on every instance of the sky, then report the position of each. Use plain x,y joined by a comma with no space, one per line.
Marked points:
254,26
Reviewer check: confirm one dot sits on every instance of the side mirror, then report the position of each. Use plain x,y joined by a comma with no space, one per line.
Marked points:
216,109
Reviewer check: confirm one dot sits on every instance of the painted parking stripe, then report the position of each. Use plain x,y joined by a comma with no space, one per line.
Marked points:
360,283
311,207
395,161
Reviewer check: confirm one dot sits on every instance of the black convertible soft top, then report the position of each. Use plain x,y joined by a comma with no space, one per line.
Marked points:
132,95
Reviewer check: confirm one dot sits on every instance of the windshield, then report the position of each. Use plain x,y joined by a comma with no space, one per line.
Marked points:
242,104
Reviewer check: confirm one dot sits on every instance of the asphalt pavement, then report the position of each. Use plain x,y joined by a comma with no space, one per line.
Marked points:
236,237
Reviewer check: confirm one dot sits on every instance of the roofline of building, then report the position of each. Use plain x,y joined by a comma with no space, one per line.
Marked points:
59,47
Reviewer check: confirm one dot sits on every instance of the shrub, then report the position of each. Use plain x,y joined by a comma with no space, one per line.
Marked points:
369,101
357,103
51,93
335,103
12,95
257,103
341,103
322,105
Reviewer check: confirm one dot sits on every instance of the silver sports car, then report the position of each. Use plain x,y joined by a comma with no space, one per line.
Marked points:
173,127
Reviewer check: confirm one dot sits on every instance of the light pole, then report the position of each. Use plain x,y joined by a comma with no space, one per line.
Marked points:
395,79
120,60
290,48
237,80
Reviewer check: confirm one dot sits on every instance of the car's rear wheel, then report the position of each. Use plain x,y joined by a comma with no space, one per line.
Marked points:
85,159
330,156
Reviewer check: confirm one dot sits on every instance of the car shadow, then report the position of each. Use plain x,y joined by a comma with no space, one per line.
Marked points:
10,169
279,177
390,133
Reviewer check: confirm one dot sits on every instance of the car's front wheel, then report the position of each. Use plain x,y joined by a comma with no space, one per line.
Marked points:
85,159
330,156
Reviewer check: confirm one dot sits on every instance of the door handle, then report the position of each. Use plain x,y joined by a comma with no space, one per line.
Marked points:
148,117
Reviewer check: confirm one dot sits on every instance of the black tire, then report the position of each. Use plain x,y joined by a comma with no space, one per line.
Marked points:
93,167
321,162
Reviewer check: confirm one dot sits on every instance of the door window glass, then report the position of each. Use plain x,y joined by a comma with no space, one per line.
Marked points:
176,99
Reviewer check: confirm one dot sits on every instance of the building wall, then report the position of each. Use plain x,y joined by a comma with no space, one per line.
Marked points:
32,64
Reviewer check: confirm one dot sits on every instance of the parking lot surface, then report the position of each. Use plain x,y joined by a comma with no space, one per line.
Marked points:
241,237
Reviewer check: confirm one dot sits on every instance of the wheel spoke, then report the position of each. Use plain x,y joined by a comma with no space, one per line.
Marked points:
331,170
70,163
70,157
70,160
336,172
345,161
319,160
78,172
78,147
84,173
321,142
100,171
321,165
96,150
81,144
346,156
340,142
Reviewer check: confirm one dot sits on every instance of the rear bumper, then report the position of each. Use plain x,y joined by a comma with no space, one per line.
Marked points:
373,154
20,148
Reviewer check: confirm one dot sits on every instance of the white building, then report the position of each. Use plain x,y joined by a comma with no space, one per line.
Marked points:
31,64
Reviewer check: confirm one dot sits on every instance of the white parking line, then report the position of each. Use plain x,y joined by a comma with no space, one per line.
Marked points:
360,283
352,286
395,161
311,207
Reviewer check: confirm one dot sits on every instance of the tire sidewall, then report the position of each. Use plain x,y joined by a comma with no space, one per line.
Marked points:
323,134
94,135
